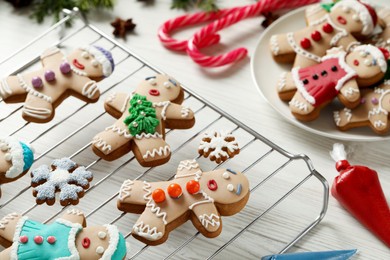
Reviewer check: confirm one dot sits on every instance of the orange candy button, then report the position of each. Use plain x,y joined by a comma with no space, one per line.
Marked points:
158,195
192,187
174,190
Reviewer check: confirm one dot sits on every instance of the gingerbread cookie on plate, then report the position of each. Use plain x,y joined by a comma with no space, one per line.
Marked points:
66,238
202,197
16,159
339,74
347,21
43,90
142,119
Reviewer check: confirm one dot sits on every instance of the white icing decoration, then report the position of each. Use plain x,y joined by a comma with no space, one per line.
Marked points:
126,102
90,89
379,124
185,111
147,136
164,150
298,104
150,203
41,113
207,220
5,220
274,45
164,105
336,117
102,234
5,90
145,231
75,212
188,164
113,243
207,199
32,91
125,189
18,230
100,143
230,187
100,250
13,147
111,97
226,175
361,11
376,54
101,58
197,175
217,143
348,114
299,50
351,90
282,80
121,132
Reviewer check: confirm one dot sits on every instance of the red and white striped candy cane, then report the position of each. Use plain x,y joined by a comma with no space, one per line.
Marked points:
203,36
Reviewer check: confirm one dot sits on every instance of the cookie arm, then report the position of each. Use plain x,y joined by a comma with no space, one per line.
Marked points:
87,89
349,94
117,103
51,55
206,218
346,42
187,167
313,13
178,117
6,254
75,216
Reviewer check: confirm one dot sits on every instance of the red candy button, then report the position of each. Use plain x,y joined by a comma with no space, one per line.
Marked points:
328,28
51,240
212,185
23,239
316,36
305,43
38,240
174,190
193,187
86,242
158,195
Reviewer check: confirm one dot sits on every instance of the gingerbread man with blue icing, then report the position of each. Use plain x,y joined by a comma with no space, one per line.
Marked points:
60,76
202,197
142,118
67,238
346,21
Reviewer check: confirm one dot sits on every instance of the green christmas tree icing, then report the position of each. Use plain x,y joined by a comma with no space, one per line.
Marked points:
142,118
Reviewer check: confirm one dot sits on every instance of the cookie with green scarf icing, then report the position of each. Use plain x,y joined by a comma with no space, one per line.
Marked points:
67,238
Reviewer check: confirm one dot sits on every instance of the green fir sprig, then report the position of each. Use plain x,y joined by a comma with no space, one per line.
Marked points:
206,5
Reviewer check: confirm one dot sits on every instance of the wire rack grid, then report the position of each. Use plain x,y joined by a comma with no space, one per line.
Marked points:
274,219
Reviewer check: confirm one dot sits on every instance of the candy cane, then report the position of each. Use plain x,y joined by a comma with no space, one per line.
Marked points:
203,37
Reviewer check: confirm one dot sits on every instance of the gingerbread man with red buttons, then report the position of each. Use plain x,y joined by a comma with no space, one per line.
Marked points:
346,21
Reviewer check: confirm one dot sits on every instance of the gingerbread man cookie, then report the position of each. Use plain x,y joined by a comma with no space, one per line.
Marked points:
16,159
63,176
339,74
383,39
373,111
202,197
66,238
143,117
219,145
347,21
43,90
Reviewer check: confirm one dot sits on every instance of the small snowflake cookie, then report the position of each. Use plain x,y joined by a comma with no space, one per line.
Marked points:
63,176
219,146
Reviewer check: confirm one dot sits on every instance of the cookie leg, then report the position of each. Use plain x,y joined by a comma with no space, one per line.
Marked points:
207,220
6,254
7,228
286,87
37,109
280,49
150,228
302,109
132,197
11,91
151,149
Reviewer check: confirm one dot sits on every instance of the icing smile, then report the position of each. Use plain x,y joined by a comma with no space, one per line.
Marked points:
341,20
356,62
77,64
154,92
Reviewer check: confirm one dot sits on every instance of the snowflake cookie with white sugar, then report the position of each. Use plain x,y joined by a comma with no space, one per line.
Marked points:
219,146
202,197
63,176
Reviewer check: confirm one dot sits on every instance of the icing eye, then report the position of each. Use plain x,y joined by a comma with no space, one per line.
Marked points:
167,84
226,175
230,187
374,63
367,62
102,235
173,82
356,18
95,63
100,250
8,157
152,81
363,54
85,55
346,9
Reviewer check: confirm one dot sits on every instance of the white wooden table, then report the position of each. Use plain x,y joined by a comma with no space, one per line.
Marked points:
231,89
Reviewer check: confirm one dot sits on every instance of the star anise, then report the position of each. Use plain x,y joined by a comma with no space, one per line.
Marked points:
269,18
122,27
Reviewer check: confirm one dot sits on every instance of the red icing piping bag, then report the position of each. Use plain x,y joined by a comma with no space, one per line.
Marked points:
358,190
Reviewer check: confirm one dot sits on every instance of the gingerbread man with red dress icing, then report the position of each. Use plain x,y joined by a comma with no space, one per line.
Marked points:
339,74
347,21
202,197
44,89
142,119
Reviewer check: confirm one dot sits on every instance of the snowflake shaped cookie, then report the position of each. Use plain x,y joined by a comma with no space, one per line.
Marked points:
63,176
219,146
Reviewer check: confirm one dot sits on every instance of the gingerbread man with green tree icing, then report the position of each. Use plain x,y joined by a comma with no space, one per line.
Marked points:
143,117
202,197
60,76
66,238
346,21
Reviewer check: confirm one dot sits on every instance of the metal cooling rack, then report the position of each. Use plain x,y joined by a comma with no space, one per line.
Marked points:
248,234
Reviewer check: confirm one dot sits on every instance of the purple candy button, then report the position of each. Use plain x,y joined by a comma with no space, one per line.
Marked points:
37,82
374,101
65,67
50,75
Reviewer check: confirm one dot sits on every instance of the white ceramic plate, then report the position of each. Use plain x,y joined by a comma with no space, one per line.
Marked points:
265,72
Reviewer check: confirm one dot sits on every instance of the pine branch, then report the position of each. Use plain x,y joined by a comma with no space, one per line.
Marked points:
206,5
